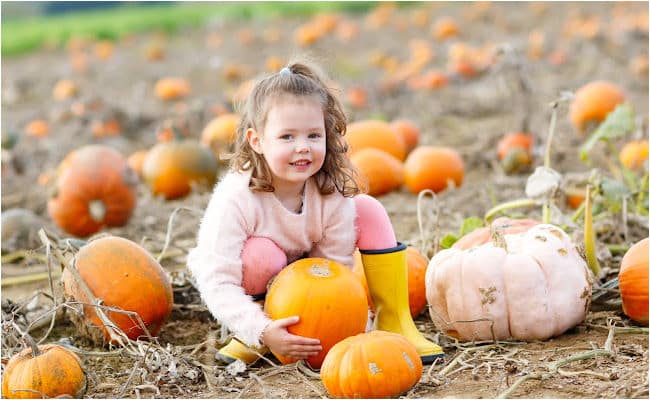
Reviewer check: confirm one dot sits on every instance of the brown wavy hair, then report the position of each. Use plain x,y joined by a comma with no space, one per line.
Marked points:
297,79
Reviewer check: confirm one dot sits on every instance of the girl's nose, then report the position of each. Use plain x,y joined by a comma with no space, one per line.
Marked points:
302,146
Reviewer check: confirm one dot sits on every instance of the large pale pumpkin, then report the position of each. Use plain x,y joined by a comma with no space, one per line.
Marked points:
95,187
54,371
633,282
376,364
527,286
123,275
171,168
328,298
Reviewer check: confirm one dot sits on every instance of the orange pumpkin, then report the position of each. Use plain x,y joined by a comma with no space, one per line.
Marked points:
376,134
136,161
383,173
64,89
592,103
445,28
328,298
431,167
171,168
575,197
376,364
220,133
123,275
417,268
633,154
94,188
408,131
515,151
172,88
37,128
503,225
633,282
357,97
53,371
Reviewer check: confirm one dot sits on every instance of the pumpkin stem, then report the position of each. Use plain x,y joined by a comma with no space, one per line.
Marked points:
590,236
508,206
546,209
97,210
28,340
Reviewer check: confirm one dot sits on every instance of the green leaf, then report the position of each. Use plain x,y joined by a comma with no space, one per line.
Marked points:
469,224
617,124
613,192
448,241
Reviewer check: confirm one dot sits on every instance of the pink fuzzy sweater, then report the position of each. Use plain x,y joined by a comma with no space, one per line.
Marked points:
324,228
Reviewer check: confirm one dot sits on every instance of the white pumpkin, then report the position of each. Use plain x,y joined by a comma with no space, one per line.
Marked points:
535,287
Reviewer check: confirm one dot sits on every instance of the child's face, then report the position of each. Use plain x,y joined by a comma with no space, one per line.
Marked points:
292,141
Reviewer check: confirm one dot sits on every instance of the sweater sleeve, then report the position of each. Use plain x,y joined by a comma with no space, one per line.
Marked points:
216,264
339,234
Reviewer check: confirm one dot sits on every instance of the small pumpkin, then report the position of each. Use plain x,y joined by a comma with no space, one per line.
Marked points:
376,364
445,28
123,275
528,286
136,161
504,225
417,268
633,282
592,103
431,167
37,128
220,133
381,172
50,372
94,188
408,131
633,154
515,151
376,134
171,168
64,89
328,298
172,88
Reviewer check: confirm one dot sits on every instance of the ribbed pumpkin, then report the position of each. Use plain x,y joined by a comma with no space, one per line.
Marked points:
633,282
376,364
592,103
503,225
376,134
95,187
417,269
124,275
380,172
431,167
633,154
328,298
55,371
528,286
220,133
171,168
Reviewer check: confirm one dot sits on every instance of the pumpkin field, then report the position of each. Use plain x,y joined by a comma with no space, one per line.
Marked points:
489,131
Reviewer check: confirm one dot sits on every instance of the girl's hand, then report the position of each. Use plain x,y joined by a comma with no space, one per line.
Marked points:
281,342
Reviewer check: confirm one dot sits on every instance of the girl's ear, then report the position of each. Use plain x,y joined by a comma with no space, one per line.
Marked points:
254,140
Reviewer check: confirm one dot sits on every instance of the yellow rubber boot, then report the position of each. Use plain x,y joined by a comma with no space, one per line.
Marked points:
386,273
236,350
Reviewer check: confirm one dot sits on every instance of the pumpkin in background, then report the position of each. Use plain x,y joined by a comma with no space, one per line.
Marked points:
503,225
633,282
417,269
220,133
53,371
531,285
172,88
37,128
375,134
515,151
136,161
328,298
633,154
409,133
376,364
64,89
431,167
380,172
592,103
171,168
123,275
95,187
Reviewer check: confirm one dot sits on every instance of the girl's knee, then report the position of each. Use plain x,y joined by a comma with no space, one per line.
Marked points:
261,259
373,224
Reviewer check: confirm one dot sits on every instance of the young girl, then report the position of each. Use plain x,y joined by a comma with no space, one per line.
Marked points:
290,193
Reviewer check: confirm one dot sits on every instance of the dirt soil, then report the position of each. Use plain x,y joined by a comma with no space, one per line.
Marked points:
469,115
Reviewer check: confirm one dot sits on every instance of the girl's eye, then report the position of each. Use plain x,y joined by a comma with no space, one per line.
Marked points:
285,137
315,135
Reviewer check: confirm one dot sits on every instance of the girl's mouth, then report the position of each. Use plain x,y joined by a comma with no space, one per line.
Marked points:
301,163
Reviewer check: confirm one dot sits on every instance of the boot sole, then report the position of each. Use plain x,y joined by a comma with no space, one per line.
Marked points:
428,359
225,360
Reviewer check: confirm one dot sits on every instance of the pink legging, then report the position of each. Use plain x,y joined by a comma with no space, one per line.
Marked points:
262,259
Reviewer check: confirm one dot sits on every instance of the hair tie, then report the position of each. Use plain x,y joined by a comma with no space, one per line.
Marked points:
285,71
